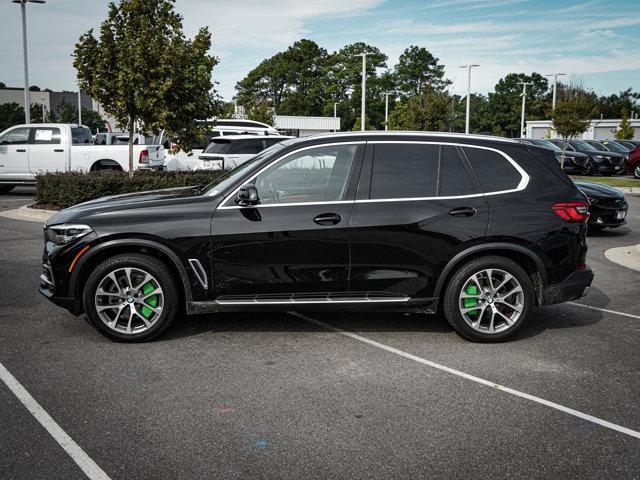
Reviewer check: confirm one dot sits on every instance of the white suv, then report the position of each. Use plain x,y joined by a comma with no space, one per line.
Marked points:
227,152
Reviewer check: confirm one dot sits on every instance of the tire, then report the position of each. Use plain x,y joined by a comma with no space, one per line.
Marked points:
6,189
460,286
147,277
636,170
588,168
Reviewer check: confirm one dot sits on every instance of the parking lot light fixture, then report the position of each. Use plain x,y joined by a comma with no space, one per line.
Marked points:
524,104
468,67
555,86
27,103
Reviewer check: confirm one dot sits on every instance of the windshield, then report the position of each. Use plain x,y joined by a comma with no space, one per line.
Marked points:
579,144
223,182
598,146
547,144
616,147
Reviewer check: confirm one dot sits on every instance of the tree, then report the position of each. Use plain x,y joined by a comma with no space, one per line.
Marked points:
574,109
429,111
291,81
505,103
614,105
418,69
34,88
143,70
261,111
93,120
2,85
10,114
624,131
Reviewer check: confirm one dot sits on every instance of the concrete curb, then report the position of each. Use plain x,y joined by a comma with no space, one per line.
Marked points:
633,191
28,214
626,256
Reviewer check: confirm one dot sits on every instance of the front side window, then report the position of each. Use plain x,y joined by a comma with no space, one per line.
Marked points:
495,173
46,136
404,171
312,175
17,136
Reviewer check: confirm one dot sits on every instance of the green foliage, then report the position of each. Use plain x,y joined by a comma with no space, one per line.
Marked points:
418,69
614,105
356,125
143,69
429,111
574,109
261,111
64,189
93,120
624,131
10,114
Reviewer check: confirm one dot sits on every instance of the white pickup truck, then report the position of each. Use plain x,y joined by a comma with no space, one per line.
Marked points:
26,150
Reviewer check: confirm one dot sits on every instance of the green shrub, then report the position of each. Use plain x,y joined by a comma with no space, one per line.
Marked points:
64,189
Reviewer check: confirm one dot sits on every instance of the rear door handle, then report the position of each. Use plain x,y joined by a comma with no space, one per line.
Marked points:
20,150
58,150
463,212
327,219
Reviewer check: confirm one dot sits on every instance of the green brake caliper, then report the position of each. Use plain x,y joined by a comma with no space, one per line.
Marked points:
147,288
471,302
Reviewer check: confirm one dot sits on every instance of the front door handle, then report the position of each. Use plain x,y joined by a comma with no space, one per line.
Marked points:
21,150
58,150
327,219
463,212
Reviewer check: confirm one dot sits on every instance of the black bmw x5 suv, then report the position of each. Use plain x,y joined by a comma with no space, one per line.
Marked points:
480,228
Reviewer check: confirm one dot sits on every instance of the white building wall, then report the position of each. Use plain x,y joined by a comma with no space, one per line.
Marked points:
307,125
600,129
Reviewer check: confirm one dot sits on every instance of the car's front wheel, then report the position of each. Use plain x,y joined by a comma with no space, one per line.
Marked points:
488,299
636,170
131,297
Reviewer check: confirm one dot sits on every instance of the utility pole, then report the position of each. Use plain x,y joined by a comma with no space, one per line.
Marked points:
555,86
27,102
523,134
386,111
335,113
364,89
468,67
79,106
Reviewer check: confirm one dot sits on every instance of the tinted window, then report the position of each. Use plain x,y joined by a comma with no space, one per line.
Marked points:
313,175
582,145
218,146
455,179
598,146
272,141
404,171
17,136
247,147
46,136
81,135
494,171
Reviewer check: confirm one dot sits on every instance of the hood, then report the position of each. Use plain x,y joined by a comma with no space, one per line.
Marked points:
127,201
598,190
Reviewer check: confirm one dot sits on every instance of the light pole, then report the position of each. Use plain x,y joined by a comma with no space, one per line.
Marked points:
386,111
27,103
79,106
364,88
524,103
555,86
468,67
335,113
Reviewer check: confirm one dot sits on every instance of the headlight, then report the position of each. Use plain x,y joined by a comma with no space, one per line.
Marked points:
600,157
64,233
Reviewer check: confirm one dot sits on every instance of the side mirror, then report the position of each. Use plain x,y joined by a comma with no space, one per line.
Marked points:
248,196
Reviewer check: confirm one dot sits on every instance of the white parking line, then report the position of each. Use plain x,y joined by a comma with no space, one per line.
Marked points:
605,310
473,378
88,466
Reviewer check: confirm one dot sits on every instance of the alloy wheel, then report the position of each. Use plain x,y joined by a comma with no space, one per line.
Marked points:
129,300
491,301
636,170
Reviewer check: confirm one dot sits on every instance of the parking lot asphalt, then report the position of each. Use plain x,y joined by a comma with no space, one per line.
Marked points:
274,395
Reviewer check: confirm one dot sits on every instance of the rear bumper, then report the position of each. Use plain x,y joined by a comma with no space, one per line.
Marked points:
571,288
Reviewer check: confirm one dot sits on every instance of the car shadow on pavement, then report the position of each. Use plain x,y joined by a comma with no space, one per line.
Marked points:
548,318
609,232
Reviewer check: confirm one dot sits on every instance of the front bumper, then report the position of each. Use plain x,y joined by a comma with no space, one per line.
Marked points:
604,213
571,288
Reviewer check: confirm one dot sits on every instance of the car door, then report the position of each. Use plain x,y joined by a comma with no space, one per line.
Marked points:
14,154
46,152
417,204
295,242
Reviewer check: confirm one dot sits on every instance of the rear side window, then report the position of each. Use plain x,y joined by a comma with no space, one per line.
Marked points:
80,135
247,147
46,136
455,178
404,171
495,173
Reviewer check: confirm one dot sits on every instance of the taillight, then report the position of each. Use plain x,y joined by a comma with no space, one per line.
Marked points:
144,156
572,211
174,145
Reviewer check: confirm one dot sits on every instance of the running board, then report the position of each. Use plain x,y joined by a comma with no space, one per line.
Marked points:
291,300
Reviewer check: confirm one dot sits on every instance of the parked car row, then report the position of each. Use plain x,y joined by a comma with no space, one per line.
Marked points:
591,157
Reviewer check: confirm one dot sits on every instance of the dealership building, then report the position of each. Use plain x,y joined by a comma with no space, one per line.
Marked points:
601,129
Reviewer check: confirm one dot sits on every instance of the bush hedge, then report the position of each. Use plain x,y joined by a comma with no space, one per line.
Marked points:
64,189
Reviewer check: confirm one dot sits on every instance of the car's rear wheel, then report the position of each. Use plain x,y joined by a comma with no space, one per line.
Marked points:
488,299
131,297
6,189
636,170
588,168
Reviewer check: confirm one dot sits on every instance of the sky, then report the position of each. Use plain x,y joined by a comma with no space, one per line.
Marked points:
594,41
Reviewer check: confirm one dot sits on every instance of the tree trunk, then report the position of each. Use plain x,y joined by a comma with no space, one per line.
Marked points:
131,149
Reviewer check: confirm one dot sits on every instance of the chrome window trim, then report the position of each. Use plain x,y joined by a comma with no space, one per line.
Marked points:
418,134
524,177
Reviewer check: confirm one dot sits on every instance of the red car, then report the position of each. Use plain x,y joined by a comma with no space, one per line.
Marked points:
633,165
